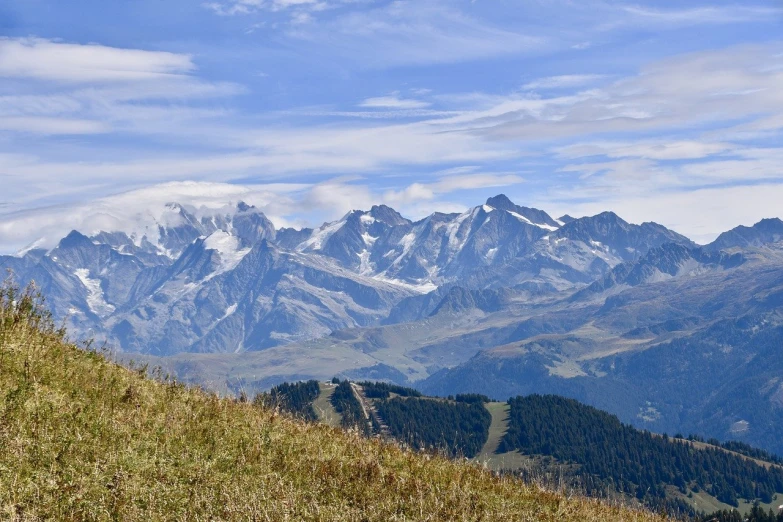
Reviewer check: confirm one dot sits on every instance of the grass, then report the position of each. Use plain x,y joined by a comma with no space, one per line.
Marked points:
323,407
82,438
497,429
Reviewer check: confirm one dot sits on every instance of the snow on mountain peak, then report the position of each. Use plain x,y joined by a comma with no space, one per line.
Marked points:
96,301
228,247
531,216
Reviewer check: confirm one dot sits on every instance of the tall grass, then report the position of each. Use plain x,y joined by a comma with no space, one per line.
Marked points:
82,438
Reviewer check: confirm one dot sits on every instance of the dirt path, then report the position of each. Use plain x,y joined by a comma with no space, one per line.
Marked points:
323,407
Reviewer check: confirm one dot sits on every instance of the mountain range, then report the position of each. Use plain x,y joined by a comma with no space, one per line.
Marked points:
500,299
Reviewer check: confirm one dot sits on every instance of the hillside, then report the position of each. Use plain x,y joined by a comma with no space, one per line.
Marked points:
85,439
554,438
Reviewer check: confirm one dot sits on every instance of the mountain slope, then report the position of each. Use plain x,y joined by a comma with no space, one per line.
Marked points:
668,261
696,353
264,297
224,280
84,439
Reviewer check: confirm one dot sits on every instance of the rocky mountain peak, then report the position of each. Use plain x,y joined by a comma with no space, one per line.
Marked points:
764,232
74,240
533,216
387,215
501,202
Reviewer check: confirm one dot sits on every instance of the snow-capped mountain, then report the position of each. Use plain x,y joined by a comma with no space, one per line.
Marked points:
483,246
228,281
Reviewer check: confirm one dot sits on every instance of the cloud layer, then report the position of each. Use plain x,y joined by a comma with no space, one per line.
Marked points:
426,105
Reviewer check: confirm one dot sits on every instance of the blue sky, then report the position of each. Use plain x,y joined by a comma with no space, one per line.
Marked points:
664,111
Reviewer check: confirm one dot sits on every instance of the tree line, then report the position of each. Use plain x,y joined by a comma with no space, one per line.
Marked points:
347,405
757,514
741,448
296,398
383,390
633,461
458,428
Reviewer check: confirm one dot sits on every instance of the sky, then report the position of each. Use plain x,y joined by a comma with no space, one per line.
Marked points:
658,110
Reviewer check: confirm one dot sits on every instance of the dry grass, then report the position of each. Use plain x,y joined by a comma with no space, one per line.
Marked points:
84,439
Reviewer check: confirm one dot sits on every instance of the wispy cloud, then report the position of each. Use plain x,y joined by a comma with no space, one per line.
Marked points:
657,149
72,89
245,7
592,102
702,14
49,60
393,101
415,33
734,84
138,212
563,81
450,182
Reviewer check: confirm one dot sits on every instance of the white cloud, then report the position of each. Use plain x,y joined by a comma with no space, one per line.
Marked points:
730,14
265,155
700,214
405,32
393,101
733,84
372,147
563,81
479,130
234,7
702,108
72,89
334,198
138,212
658,149
51,126
49,60
415,33
245,7
448,183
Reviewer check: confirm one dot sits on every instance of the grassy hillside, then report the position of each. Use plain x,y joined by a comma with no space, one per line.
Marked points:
560,441
84,439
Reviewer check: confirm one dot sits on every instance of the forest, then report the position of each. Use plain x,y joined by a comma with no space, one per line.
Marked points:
457,428
757,514
382,390
347,405
741,448
635,462
296,398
